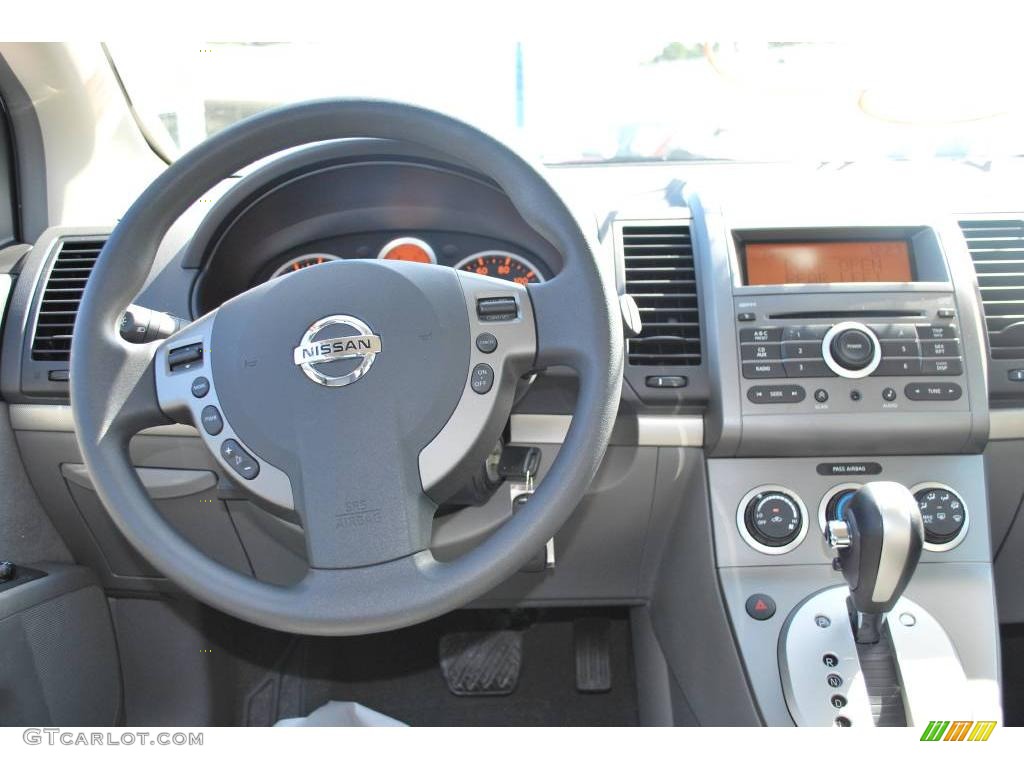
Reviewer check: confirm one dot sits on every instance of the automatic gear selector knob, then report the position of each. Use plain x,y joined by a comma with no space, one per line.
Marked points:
878,541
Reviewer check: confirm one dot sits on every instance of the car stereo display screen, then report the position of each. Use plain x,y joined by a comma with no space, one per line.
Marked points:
865,261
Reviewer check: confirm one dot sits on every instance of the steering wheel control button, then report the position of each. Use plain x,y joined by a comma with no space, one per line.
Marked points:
185,358
943,514
930,391
782,393
241,462
212,421
760,607
497,309
200,387
482,379
486,343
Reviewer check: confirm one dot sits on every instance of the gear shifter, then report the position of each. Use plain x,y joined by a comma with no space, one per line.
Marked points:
878,540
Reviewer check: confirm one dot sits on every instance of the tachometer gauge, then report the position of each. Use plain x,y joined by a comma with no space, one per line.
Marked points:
303,261
502,264
408,249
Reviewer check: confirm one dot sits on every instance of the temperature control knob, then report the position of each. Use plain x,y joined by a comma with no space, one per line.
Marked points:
773,518
944,516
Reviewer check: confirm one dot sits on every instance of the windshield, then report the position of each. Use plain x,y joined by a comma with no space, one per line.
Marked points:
595,102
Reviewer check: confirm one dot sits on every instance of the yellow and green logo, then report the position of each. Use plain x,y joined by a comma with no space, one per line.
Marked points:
958,730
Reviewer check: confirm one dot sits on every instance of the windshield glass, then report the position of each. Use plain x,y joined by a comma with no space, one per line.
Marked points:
630,101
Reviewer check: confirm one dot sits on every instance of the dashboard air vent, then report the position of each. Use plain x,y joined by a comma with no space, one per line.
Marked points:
997,250
660,277
58,308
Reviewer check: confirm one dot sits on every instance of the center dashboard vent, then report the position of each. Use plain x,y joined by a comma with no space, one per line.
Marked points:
661,278
997,250
69,270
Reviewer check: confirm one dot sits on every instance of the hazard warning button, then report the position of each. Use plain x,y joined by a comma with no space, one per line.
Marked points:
760,607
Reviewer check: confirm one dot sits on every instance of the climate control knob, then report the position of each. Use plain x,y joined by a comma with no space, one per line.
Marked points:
851,350
772,519
944,516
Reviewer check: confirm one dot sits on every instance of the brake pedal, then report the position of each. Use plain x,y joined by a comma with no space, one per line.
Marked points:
481,663
592,638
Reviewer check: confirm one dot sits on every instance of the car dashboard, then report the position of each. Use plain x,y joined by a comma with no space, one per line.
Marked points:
802,331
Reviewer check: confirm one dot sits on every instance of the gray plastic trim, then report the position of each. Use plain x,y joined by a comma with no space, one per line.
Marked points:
159,483
37,417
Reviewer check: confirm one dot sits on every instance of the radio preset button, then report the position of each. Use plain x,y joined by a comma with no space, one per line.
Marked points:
805,332
797,349
897,348
807,368
895,331
910,366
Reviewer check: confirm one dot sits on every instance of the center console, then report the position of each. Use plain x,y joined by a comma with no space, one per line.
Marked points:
851,368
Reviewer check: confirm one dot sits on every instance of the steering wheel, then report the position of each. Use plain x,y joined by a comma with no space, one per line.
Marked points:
354,394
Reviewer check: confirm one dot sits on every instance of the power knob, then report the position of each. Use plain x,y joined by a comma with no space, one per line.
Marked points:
851,350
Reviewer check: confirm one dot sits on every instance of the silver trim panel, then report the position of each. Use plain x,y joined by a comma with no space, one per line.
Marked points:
1006,424
648,431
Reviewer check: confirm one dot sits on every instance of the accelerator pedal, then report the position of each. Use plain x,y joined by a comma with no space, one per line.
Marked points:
592,638
481,663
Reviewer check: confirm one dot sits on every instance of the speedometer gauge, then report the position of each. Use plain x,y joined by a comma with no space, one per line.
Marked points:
408,249
303,261
502,264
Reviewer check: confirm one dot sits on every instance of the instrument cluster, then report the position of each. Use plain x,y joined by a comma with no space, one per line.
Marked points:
472,253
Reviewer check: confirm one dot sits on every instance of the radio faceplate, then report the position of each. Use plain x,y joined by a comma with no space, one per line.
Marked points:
850,353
